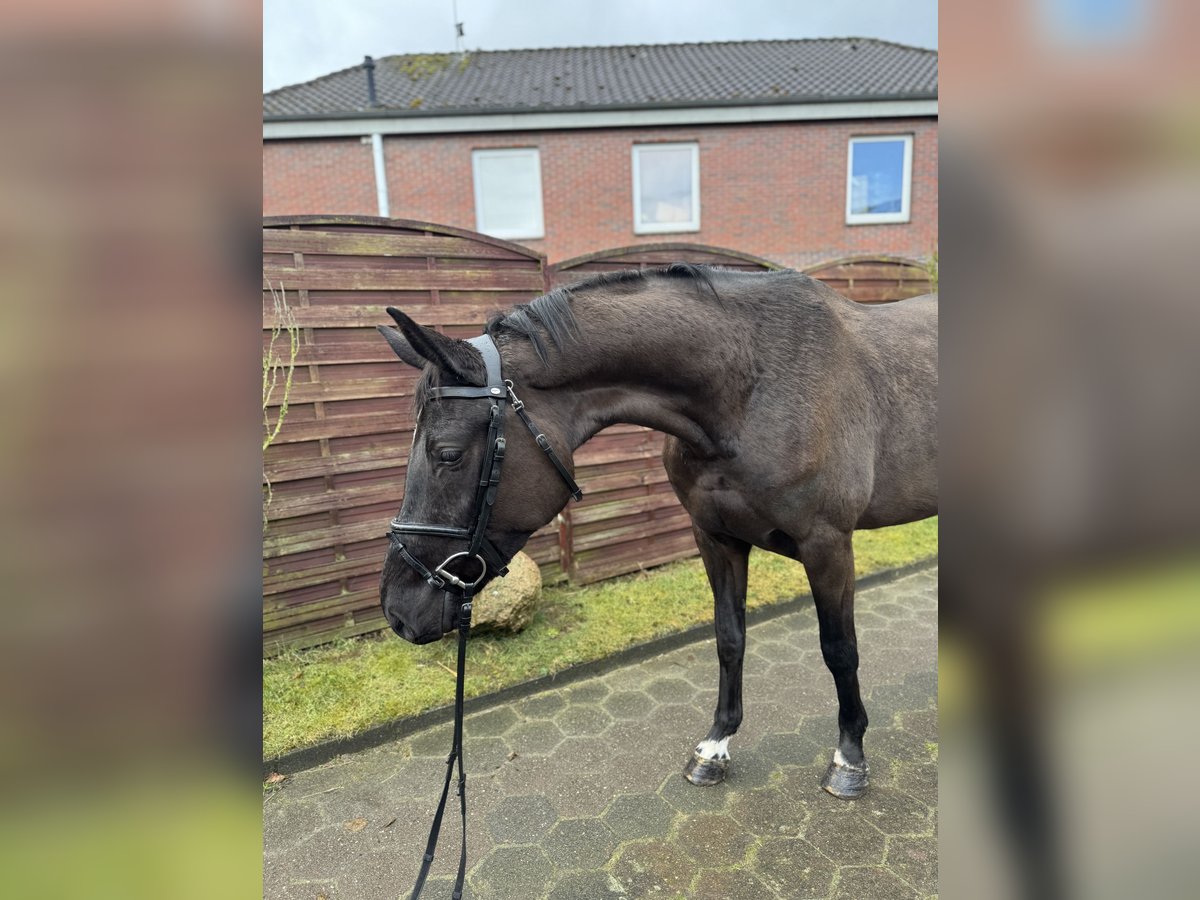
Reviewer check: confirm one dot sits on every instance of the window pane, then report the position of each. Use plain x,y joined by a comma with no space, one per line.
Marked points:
508,194
877,177
665,194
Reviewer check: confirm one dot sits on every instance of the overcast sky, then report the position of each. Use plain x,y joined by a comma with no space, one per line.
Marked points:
306,38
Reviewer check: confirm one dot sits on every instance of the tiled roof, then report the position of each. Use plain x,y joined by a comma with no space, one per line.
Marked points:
651,76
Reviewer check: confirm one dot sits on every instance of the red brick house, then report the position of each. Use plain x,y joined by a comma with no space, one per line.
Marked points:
797,151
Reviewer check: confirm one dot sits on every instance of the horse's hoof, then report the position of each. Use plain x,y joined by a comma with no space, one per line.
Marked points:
702,771
845,782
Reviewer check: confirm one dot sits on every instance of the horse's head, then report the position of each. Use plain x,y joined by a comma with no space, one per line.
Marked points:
448,452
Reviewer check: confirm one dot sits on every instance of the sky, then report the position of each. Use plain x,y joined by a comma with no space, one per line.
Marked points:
303,39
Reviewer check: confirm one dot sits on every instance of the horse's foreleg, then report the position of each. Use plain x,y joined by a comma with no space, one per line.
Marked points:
829,561
725,561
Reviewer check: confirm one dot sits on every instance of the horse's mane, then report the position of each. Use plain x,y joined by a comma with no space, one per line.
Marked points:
552,313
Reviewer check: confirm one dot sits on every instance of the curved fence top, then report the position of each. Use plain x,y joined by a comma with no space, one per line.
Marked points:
367,224
873,278
643,256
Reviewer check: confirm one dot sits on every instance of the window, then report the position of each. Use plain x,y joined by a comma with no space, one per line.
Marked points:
666,188
879,179
508,193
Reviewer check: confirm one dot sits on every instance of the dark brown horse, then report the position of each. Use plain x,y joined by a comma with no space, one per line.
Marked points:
794,416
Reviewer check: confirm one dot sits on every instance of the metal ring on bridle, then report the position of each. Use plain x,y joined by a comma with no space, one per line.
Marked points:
454,579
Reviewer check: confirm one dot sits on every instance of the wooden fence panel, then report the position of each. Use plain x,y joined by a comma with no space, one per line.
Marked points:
336,470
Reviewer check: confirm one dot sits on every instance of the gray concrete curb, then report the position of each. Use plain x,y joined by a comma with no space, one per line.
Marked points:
318,754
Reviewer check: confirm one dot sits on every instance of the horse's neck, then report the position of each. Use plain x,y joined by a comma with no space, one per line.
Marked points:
666,367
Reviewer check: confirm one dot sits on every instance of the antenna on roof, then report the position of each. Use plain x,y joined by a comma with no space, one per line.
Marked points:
458,29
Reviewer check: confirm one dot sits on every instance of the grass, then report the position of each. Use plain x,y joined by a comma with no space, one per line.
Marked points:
339,690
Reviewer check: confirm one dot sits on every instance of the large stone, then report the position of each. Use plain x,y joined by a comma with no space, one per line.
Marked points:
508,603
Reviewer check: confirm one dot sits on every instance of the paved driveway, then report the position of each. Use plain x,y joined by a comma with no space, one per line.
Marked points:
578,792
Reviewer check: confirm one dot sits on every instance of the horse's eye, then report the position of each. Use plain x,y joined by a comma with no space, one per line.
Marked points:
450,456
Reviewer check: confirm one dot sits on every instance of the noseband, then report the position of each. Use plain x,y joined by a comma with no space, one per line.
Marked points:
497,392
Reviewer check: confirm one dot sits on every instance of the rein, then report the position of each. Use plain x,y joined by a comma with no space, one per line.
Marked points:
457,590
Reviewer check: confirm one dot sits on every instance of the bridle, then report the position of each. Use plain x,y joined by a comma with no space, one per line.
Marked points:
458,590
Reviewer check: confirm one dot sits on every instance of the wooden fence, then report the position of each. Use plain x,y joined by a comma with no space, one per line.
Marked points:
337,468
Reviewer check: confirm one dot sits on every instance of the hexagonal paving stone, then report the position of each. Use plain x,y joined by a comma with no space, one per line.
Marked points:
579,844
521,820
734,884
579,720
893,812
432,742
534,738
859,882
769,810
843,836
915,860
634,816
586,692
648,868
670,690
794,868
791,749
713,840
689,798
587,886
540,706
484,754
490,723
512,872
628,704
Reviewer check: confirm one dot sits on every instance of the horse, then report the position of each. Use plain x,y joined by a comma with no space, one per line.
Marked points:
793,416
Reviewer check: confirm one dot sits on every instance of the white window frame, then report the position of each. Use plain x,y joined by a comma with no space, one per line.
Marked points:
905,213
539,228
640,227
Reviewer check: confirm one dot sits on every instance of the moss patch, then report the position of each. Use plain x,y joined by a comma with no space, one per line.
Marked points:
339,690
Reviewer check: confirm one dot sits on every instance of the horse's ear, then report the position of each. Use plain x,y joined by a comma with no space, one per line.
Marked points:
449,354
400,345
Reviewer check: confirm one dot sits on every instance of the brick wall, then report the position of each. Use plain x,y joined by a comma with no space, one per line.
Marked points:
777,190
335,176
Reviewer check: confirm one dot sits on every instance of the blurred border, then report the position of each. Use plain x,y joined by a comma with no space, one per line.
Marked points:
1070,166
129,670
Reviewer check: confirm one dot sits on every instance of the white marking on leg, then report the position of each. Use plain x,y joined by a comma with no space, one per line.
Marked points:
838,759
714,749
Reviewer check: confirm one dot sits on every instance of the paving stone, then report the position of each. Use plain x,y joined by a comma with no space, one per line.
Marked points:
893,812
794,868
633,816
580,844
670,690
657,867
712,839
577,720
629,704
521,820
859,882
586,692
914,859
843,836
734,884
540,706
587,886
769,810
492,722
532,738
594,804
511,872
